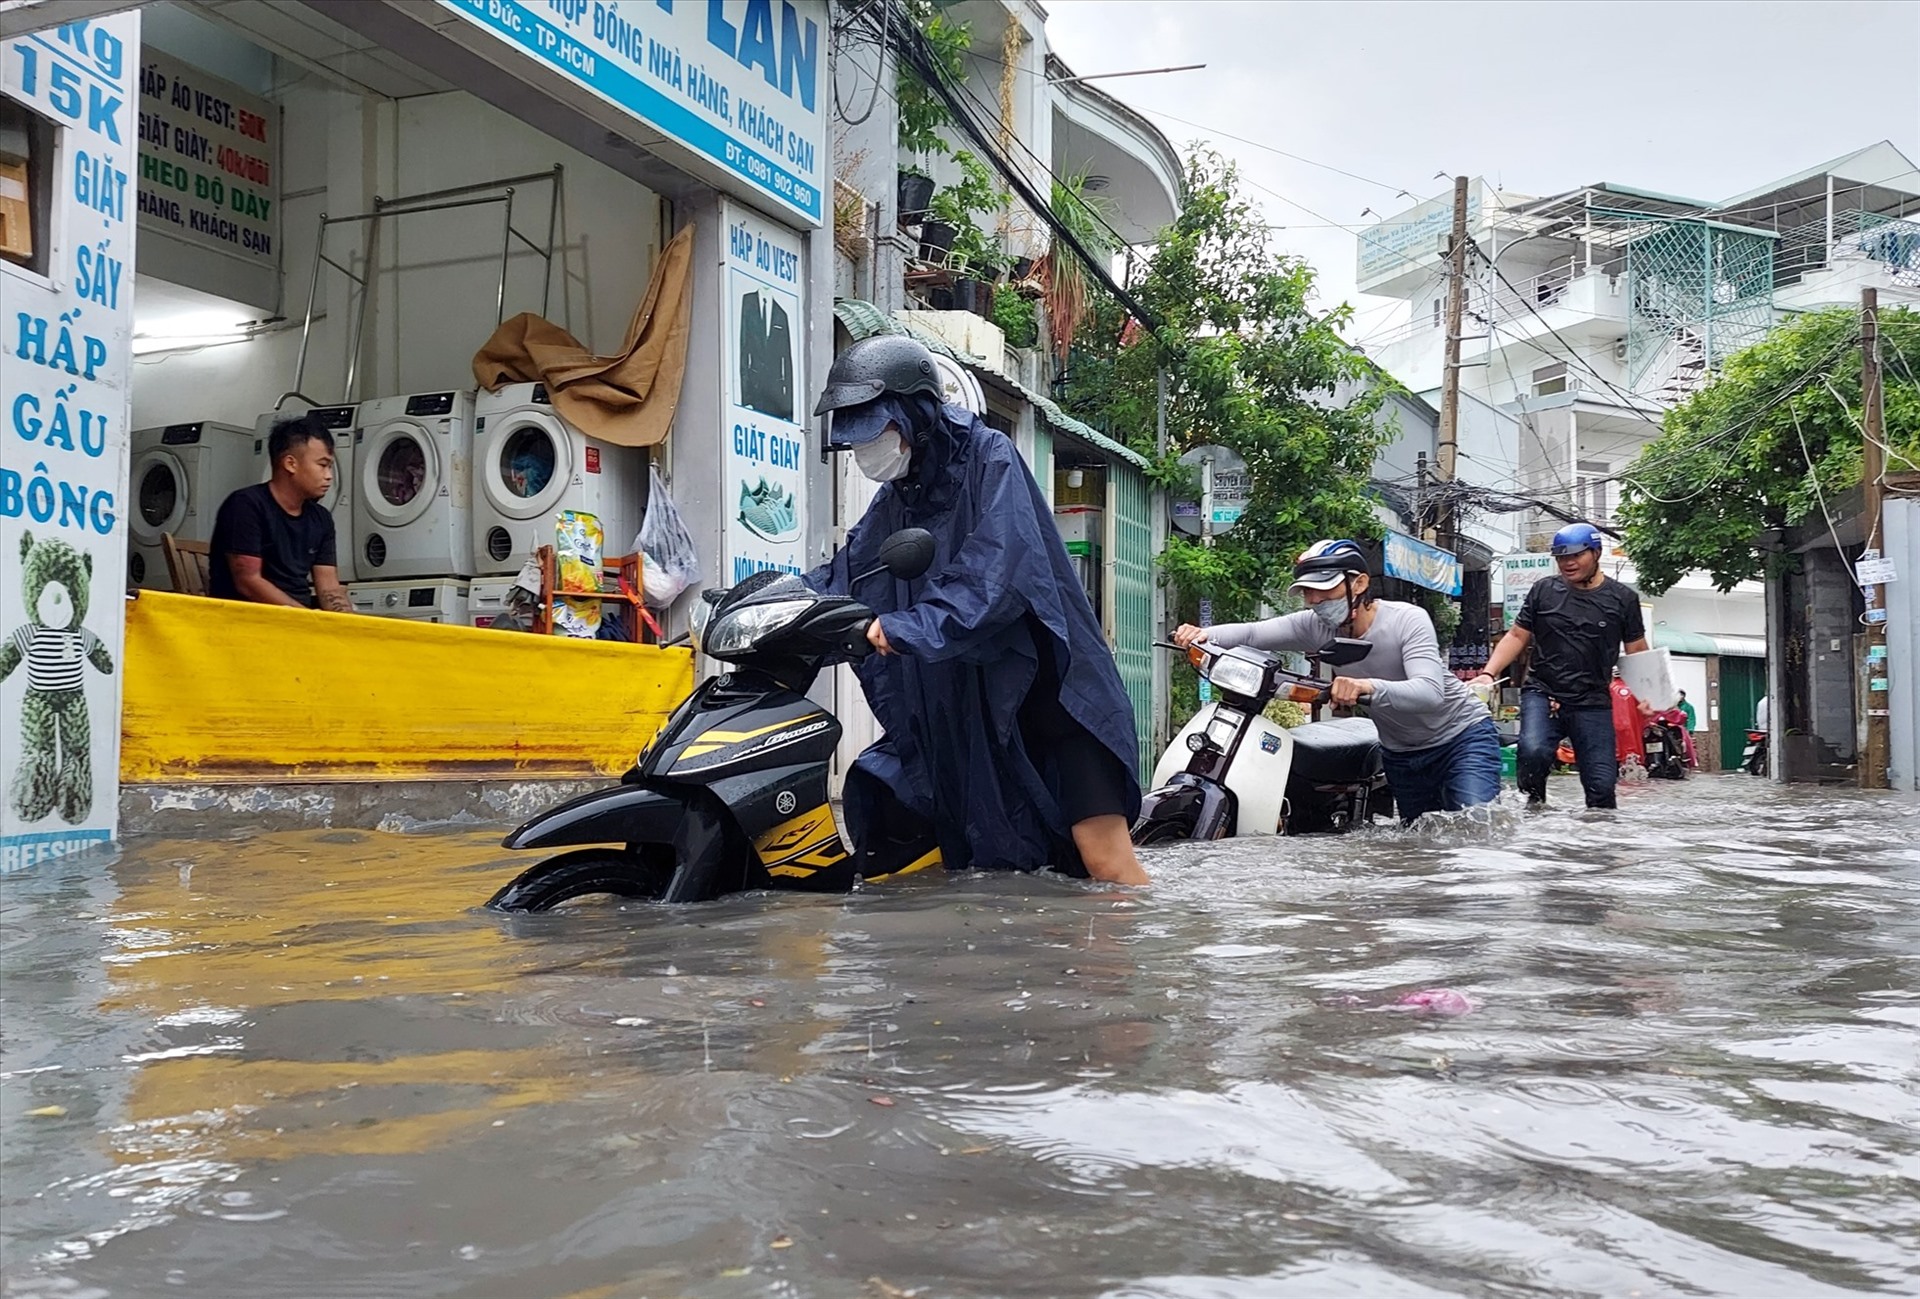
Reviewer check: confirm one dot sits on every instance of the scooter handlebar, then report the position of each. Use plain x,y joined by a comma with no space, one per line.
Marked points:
1288,685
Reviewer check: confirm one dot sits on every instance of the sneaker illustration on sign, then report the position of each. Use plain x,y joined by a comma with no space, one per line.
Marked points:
768,512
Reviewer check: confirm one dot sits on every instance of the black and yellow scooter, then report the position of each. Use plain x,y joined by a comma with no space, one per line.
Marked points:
731,795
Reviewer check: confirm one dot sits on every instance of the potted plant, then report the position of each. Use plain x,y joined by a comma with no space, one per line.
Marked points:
974,255
1067,301
922,112
936,239
916,188
1014,313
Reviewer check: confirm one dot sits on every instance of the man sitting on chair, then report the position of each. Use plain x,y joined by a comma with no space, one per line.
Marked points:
273,542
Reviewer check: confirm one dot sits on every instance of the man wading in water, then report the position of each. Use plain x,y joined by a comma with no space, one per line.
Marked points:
1576,623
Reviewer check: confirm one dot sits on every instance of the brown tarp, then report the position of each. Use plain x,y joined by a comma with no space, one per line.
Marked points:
627,398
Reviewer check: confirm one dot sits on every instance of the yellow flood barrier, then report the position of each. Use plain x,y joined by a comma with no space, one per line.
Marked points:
222,691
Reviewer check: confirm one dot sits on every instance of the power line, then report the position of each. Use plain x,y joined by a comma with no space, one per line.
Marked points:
1201,126
1738,432
1625,398
1396,190
913,48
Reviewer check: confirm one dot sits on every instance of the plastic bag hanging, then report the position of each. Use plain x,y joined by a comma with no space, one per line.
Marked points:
669,564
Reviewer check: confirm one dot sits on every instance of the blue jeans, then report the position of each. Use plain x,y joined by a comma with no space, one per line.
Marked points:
1590,730
1463,772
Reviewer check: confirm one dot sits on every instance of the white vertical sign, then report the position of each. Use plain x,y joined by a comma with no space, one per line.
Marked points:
764,486
65,335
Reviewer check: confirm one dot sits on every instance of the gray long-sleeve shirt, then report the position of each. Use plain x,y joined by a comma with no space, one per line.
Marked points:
1416,703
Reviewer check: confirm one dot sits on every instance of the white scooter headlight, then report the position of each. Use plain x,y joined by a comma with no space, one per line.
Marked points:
736,630
1237,675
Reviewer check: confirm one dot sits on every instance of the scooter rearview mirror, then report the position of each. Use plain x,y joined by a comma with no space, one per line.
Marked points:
906,554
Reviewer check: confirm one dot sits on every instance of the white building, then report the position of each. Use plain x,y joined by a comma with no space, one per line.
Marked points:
1591,312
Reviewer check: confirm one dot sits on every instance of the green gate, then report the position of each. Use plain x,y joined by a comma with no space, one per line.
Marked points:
1133,598
1742,682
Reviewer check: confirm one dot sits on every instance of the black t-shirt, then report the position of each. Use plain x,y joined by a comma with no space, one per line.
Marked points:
1577,635
290,546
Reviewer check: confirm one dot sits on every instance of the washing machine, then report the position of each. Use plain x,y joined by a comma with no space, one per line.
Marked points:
440,599
529,465
181,473
489,598
339,421
411,487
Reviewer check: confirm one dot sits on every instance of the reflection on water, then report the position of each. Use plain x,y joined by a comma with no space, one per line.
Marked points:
303,1065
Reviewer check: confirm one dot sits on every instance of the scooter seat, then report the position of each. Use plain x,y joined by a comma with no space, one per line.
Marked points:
1340,751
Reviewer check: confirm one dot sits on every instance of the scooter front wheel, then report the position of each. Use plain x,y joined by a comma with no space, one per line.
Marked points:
579,874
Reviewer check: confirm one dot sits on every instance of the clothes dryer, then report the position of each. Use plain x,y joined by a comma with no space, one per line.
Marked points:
181,473
339,421
412,486
529,465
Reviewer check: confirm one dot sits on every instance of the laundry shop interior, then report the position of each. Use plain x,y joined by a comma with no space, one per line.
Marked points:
341,239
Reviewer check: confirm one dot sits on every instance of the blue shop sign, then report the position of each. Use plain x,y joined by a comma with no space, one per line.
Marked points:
1412,560
739,83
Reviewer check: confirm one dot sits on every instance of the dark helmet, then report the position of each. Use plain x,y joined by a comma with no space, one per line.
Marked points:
885,363
1325,564
1574,538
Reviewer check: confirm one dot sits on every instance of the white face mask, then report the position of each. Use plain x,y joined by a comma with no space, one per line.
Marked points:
885,458
1331,613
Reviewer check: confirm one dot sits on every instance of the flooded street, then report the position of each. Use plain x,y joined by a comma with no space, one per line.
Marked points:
306,1065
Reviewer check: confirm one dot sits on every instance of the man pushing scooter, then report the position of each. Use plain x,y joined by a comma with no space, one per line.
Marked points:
1437,742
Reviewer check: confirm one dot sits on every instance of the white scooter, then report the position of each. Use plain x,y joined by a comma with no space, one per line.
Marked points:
1232,772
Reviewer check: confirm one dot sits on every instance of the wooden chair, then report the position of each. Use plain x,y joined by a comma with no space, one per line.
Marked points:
188,564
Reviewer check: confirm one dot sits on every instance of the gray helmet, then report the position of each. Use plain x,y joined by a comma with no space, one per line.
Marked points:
885,363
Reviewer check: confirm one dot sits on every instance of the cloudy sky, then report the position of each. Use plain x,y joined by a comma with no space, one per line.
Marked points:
1705,100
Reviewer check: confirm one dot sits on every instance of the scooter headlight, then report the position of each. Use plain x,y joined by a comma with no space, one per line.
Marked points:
1237,675
735,631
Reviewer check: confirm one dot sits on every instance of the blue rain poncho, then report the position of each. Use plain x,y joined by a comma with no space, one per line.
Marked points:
969,637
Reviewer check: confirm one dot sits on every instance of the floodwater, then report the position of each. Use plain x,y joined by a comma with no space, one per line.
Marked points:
304,1065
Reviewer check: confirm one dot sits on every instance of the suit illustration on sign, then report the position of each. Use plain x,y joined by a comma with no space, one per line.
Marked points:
766,356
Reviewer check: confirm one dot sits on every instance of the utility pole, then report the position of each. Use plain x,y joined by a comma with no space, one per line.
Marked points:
1876,752
1448,442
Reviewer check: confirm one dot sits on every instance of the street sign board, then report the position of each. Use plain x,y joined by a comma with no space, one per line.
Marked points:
1232,488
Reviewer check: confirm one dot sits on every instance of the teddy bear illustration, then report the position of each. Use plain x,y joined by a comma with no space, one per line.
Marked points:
56,736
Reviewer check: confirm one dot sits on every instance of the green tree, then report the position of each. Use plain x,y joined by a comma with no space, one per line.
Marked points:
923,114
1249,366
1760,447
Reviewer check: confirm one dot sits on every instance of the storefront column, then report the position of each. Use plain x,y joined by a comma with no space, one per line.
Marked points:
65,359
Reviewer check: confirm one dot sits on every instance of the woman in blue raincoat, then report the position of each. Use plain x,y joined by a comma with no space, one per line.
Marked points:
1007,728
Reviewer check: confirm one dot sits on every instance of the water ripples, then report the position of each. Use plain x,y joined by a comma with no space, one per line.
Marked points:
306,1064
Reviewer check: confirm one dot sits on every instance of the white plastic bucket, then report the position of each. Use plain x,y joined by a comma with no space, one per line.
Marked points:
1649,674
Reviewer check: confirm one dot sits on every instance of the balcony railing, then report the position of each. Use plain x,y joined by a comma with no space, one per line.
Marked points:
1510,302
1857,236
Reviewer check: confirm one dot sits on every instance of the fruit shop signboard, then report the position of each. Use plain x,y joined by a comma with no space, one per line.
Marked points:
67,280
764,488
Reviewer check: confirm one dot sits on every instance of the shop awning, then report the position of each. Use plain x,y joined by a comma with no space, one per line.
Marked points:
1694,642
864,320
1413,560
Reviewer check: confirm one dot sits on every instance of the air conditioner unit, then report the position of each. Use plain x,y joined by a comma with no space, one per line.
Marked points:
1620,350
